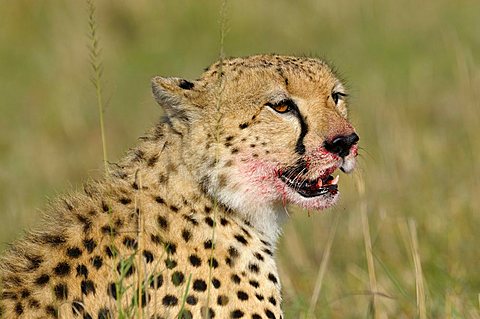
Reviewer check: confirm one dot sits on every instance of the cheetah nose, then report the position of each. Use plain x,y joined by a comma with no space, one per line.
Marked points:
341,145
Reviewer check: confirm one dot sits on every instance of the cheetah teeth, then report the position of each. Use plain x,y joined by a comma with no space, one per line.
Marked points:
335,180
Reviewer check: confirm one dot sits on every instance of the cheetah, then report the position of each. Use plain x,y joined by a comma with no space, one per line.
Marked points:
186,224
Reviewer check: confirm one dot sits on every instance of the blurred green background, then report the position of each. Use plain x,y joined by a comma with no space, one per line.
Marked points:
412,68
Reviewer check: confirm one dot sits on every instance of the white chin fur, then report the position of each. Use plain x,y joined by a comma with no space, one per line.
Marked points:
348,164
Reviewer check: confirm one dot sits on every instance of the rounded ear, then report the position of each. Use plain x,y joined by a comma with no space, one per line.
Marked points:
175,95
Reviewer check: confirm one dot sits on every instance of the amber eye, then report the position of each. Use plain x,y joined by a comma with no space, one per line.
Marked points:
284,106
281,108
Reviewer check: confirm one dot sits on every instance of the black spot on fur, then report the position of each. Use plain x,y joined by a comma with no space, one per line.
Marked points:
241,239
162,222
170,263
272,278
74,252
236,314
174,208
62,269
52,311
156,239
54,240
186,85
111,251
33,303
208,244
222,300
82,271
242,295
87,287
186,314
152,161
243,126
259,256
97,262
272,301
186,235
223,221
125,200
233,252
112,290
159,200
108,230
126,268
195,260
35,262
253,268
192,300
130,242
156,282
254,283
18,308
170,248
169,301
236,279
213,262
177,278
105,207
199,285
191,220
259,297
148,256
77,307
104,313
9,295
216,283
209,221
268,251
25,293
61,291
89,245
269,314
266,243
42,280
256,316
207,313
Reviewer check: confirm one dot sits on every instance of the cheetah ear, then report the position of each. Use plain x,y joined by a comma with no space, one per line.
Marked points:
175,95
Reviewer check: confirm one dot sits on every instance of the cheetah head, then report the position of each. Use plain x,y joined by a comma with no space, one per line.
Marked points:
263,131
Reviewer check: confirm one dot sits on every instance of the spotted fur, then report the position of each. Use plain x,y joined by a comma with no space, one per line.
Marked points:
185,226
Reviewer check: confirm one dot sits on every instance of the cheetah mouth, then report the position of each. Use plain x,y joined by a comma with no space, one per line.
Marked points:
325,184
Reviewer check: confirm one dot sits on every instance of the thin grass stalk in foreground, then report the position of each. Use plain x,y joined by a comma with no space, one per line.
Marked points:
419,280
322,269
217,133
97,68
368,246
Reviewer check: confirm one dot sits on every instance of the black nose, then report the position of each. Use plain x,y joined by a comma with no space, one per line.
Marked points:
341,145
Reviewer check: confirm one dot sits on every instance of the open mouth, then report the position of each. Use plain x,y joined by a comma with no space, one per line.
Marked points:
322,185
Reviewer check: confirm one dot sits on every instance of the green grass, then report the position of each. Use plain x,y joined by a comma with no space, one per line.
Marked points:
406,243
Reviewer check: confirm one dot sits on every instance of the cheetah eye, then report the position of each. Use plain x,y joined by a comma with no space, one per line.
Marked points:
284,106
336,96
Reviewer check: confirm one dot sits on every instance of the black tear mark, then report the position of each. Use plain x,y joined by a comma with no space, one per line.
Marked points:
300,147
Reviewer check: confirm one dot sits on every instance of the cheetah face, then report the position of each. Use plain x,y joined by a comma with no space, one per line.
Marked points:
264,131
